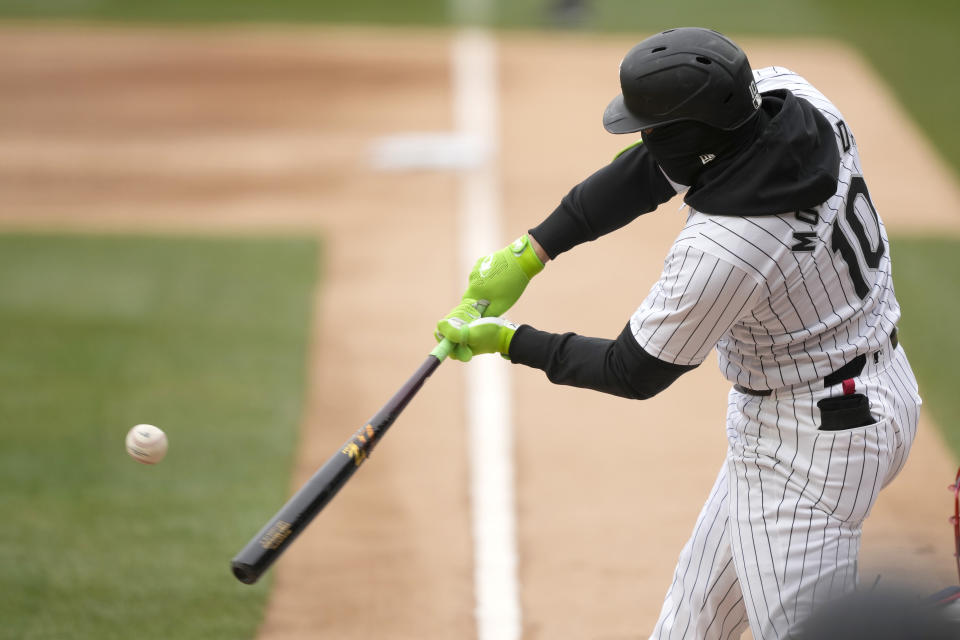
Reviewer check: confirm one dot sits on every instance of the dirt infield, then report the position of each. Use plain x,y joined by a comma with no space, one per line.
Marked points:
260,131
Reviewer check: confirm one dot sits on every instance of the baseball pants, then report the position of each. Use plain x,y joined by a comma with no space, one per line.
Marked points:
780,531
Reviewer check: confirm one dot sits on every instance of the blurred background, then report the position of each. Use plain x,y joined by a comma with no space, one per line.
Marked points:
174,183
912,47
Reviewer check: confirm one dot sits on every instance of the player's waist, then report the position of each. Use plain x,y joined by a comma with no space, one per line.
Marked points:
851,369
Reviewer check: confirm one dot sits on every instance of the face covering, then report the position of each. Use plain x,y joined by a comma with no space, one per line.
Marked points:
684,149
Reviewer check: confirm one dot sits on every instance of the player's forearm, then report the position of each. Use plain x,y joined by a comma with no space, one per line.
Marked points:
619,367
612,197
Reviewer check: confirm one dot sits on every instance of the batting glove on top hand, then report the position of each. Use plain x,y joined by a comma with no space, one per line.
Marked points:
498,279
483,335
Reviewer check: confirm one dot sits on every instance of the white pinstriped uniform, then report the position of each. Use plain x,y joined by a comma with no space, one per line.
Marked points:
779,299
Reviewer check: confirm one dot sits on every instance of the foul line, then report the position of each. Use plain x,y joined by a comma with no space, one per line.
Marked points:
476,109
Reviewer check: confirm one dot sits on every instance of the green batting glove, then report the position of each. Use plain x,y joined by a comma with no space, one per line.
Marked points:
498,279
484,335
495,284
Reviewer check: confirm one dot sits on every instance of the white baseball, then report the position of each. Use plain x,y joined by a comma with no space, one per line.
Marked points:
147,444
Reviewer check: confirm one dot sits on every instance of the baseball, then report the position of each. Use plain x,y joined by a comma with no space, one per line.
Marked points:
147,444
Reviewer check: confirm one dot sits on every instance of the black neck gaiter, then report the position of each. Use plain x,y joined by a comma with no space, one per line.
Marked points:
685,149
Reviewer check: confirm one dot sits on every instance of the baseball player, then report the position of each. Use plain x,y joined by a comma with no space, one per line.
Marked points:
783,267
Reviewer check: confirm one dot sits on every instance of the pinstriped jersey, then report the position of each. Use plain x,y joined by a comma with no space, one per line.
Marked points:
786,298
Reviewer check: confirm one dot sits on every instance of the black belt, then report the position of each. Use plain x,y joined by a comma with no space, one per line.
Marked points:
850,370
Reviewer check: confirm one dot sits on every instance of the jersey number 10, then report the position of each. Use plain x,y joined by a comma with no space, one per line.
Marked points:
870,249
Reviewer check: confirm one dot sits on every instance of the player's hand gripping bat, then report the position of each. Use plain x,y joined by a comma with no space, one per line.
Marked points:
265,547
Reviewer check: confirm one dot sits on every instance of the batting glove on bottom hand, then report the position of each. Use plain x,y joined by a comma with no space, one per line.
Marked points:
483,335
461,315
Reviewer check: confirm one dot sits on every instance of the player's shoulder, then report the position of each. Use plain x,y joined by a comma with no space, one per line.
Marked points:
754,244
747,227
775,78
771,78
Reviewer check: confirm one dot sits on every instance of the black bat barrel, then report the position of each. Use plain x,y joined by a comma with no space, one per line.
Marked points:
296,514
265,547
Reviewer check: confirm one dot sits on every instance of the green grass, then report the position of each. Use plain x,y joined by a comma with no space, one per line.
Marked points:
926,273
202,337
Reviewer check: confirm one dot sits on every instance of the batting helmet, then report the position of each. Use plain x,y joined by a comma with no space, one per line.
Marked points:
683,74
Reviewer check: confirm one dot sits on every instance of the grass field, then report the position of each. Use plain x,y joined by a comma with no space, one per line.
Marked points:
926,273
203,337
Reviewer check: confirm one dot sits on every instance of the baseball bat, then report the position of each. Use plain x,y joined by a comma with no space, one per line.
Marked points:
275,536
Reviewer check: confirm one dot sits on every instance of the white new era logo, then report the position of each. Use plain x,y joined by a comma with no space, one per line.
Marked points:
755,95
707,157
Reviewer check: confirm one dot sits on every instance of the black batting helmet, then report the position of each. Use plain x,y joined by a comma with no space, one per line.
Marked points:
683,74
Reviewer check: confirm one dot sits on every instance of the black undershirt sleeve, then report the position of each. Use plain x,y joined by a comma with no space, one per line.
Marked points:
620,367
617,194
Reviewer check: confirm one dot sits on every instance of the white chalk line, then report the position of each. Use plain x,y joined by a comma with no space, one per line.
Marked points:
488,401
